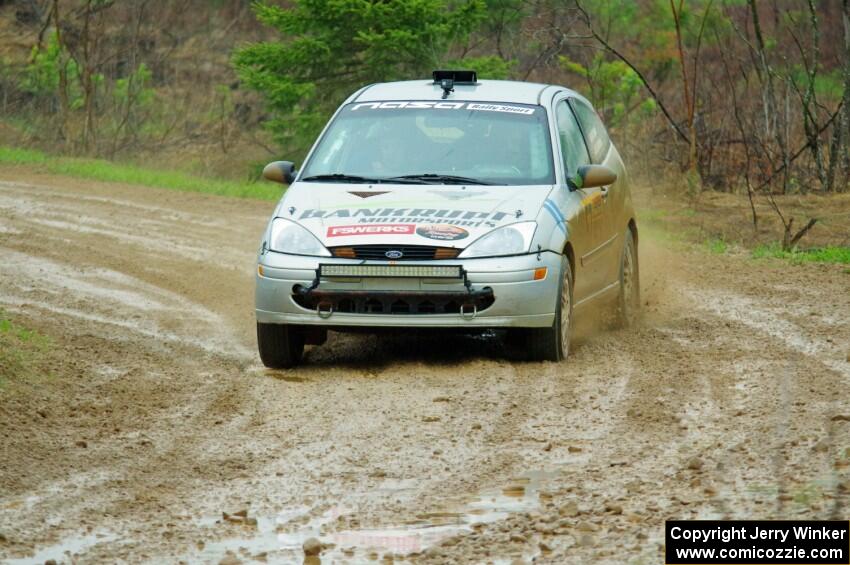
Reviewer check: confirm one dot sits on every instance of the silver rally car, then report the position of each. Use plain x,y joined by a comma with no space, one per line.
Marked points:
450,203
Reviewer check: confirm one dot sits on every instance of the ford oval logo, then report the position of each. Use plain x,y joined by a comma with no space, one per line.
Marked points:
394,254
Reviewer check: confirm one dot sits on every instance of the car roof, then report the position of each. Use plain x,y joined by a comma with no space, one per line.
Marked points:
483,91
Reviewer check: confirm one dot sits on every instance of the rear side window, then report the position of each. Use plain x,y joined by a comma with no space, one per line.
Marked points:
597,138
573,149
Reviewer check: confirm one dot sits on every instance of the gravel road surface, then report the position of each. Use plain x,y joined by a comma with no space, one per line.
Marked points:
161,437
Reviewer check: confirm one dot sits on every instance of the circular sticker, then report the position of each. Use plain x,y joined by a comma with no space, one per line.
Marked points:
442,232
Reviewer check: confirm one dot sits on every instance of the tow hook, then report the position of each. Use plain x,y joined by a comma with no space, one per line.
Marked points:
468,311
325,310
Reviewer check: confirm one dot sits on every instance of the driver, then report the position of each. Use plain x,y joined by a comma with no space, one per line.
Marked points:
389,158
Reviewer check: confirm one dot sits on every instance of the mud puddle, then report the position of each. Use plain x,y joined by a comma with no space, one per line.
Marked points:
66,549
281,537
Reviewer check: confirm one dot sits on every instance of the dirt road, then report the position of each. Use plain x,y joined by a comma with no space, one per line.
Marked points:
730,400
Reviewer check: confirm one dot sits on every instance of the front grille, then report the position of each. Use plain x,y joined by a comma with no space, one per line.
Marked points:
393,302
409,252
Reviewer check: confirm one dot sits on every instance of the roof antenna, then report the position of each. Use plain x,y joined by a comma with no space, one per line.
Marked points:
448,85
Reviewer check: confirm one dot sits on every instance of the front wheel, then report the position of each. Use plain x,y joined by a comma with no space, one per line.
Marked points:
280,345
553,343
628,302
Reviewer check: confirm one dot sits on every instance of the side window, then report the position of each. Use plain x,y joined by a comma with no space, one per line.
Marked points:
573,149
594,131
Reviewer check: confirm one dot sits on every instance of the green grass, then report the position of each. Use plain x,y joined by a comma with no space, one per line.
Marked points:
840,255
108,171
716,245
23,353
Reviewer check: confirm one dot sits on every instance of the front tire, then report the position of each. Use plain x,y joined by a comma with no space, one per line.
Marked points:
628,302
553,343
281,346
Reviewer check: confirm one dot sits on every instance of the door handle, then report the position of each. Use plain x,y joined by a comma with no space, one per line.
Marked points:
604,191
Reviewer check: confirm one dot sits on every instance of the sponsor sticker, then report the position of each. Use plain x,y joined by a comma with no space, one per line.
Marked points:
371,229
416,105
501,108
410,105
443,232
405,216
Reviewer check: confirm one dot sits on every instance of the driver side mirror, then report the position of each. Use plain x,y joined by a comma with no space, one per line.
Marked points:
592,176
280,171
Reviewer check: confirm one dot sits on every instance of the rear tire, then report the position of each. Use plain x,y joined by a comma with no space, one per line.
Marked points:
553,343
628,302
281,346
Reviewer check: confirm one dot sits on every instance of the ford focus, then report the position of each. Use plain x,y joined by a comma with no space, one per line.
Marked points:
450,203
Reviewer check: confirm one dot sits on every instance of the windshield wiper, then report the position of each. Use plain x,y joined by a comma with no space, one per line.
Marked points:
433,178
339,177
342,177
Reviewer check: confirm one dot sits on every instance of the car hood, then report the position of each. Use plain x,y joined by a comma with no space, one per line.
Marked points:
439,215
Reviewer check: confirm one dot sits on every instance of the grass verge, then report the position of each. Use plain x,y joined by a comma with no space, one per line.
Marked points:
664,226
108,171
23,353
840,255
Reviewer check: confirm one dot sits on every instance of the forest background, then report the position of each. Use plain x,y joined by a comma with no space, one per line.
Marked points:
736,113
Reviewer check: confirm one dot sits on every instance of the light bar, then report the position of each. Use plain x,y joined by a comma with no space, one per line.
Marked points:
457,77
392,271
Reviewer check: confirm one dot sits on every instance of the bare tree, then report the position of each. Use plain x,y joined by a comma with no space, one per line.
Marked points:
652,92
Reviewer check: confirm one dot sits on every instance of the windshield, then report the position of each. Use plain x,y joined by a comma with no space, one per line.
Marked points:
435,143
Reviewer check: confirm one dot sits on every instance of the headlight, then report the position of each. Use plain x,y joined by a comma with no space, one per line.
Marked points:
289,237
509,240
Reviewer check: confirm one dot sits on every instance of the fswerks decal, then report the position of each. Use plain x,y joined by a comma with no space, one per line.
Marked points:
373,229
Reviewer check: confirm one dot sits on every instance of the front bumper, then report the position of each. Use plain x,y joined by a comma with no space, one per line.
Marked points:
501,289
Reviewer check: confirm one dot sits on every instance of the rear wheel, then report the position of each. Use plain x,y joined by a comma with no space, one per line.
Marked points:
280,345
628,302
553,343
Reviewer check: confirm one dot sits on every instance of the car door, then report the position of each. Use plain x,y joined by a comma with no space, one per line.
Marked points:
574,154
604,258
